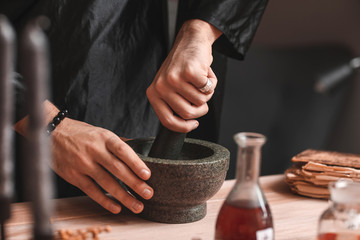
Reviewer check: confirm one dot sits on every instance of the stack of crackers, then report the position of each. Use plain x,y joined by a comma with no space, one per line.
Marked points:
313,170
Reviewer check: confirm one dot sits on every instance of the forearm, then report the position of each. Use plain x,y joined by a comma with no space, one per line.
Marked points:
50,111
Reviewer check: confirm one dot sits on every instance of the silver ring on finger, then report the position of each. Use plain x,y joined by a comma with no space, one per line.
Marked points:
206,87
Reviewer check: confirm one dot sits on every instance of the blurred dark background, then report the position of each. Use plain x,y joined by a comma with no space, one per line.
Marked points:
272,90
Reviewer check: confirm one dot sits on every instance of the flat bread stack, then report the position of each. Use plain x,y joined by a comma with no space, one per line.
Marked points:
313,170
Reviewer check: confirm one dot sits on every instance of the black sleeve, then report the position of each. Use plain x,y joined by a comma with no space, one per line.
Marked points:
236,19
14,9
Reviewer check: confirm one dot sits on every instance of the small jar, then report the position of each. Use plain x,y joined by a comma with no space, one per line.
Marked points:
342,219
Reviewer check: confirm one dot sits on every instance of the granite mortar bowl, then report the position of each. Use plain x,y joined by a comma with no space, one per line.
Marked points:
182,187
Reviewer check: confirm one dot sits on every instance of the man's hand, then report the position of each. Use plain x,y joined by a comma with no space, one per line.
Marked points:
82,152
176,87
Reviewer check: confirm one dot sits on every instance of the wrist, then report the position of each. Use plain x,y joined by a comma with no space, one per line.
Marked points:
50,111
201,30
56,121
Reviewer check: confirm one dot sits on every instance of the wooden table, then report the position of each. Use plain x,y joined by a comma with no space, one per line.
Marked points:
295,217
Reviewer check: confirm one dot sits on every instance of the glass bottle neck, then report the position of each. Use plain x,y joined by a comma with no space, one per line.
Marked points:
248,163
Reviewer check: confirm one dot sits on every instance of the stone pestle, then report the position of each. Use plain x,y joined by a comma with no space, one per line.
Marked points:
167,144
7,48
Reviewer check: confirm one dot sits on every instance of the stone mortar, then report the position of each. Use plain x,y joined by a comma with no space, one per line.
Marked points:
182,187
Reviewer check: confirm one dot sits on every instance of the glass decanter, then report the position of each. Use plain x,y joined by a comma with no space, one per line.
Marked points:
342,219
245,213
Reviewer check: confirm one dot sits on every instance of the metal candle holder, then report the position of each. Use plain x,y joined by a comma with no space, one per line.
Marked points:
35,68
7,39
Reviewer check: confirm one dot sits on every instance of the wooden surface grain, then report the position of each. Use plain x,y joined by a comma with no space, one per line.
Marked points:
295,217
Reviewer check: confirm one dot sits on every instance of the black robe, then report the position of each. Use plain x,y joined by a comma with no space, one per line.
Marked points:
105,53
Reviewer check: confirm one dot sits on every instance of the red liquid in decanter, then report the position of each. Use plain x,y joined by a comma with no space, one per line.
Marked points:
242,220
338,236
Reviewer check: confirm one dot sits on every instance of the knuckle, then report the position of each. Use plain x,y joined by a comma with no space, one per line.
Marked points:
201,101
172,78
71,176
123,146
89,148
106,134
167,121
119,193
86,165
160,86
79,158
84,185
188,114
119,168
189,71
136,185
